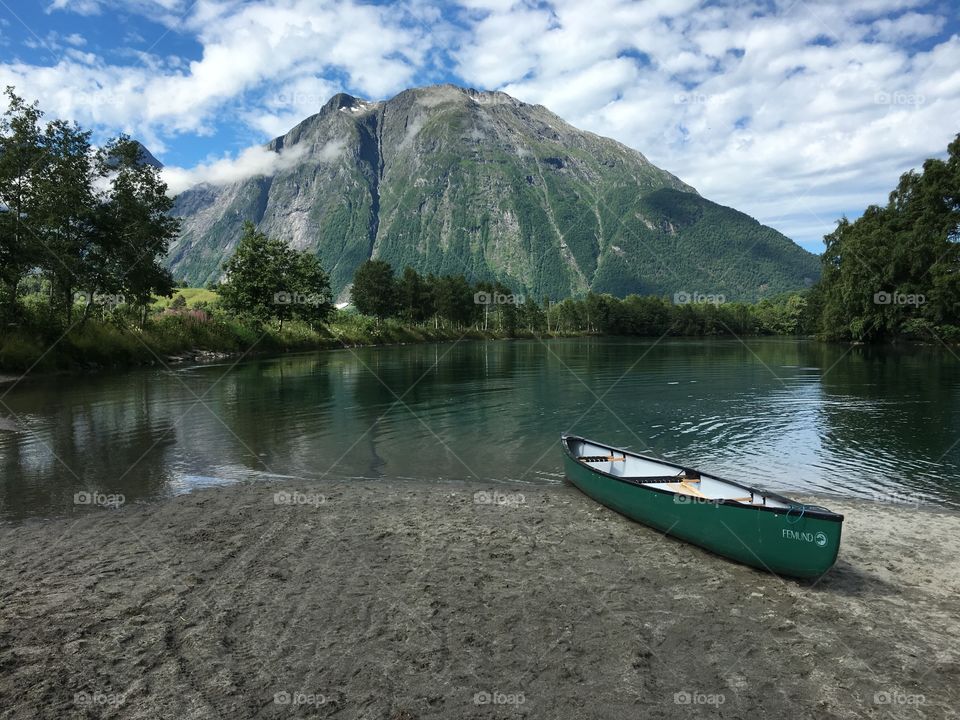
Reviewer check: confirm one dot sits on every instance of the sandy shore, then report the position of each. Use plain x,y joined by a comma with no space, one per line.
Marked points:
411,601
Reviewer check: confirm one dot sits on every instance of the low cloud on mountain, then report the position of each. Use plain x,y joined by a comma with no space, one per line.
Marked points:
795,112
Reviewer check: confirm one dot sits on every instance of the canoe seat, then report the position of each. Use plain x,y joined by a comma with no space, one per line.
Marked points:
601,458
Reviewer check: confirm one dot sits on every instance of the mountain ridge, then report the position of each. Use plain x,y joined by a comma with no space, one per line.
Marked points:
451,180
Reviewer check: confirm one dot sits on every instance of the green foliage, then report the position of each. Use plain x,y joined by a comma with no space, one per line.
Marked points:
375,290
494,307
195,297
135,227
415,296
267,280
511,197
894,272
455,300
93,225
21,166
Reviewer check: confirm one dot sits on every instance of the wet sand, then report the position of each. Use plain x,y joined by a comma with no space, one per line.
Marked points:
403,601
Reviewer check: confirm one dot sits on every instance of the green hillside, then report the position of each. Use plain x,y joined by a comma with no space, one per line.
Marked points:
451,181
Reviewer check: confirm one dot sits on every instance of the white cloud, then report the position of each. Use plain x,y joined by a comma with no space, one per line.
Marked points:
794,117
248,50
81,7
792,111
252,162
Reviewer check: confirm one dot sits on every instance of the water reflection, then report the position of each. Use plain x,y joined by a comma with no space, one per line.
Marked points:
793,416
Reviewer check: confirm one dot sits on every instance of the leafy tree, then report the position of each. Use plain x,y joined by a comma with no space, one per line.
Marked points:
908,250
22,158
415,296
531,316
455,301
310,288
266,279
507,314
135,228
375,290
254,275
64,218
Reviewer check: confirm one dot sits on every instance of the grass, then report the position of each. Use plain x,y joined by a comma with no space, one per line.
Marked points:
111,343
193,296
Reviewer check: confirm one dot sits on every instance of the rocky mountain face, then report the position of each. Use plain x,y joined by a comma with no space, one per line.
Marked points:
452,180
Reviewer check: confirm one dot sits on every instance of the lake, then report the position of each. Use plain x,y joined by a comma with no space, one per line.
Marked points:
794,416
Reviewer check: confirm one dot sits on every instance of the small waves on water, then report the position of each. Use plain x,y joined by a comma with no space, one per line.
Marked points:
793,417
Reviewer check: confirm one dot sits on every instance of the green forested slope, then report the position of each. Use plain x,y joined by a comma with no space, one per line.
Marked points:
451,181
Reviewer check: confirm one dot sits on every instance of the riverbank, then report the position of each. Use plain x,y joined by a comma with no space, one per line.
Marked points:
182,338
403,601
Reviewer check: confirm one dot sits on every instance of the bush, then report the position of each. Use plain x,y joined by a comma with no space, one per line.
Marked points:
18,352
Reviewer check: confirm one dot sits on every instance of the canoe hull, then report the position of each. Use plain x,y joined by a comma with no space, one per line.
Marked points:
783,542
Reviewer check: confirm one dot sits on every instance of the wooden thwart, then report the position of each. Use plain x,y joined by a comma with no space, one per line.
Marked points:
685,488
601,458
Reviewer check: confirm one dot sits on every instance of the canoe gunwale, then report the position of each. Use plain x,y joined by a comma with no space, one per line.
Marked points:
803,509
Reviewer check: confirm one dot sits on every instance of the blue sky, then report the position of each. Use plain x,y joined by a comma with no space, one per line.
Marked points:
795,112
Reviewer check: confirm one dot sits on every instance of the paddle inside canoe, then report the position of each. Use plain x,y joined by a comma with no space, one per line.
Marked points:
746,524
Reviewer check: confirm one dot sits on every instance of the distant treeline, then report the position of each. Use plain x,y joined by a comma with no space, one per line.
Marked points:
267,281
895,272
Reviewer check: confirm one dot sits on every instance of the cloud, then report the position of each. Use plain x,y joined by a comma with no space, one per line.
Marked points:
80,7
795,116
252,162
795,112
248,50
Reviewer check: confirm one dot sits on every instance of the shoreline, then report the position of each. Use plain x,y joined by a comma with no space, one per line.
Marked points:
203,355
200,356
412,600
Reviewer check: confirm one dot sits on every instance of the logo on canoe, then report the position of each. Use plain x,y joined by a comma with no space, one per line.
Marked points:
819,538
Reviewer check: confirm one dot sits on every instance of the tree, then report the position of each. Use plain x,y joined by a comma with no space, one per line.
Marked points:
375,290
455,301
266,279
254,276
531,316
507,315
898,264
63,221
22,157
415,297
310,288
135,228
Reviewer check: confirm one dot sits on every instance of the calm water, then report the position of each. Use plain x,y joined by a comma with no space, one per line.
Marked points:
790,416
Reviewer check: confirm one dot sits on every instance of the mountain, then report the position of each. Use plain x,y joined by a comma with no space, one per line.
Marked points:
147,158
452,180
144,157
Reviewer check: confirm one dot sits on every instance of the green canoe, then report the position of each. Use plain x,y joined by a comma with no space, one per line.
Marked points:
751,526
